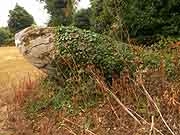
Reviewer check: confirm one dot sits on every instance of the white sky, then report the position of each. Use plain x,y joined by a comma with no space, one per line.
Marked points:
35,8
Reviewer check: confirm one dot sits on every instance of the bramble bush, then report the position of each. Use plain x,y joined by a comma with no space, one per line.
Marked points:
83,48
78,49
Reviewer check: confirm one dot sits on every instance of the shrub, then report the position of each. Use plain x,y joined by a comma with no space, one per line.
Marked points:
80,48
82,19
155,59
165,42
5,36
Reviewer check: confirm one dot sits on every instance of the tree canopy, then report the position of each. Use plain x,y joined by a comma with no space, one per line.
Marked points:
82,18
19,19
60,10
151,17
146,19
142,19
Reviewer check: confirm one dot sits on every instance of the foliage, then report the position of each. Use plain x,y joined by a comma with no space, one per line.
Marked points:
19,19
78,49
82,19
149,18
76,95
144,20
155,59
83,48
165,42
107,18
101,17
60,10
5,36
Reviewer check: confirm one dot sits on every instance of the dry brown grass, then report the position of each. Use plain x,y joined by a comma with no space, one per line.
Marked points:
145,105
16,77
119,114
13,66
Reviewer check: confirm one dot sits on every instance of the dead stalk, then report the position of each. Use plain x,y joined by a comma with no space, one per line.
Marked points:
68,129
152,125
104,87
155,105
87,130
145,122
114,110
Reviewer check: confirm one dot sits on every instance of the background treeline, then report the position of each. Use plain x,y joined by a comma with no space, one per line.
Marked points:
5,36
145,20
148,21
19,19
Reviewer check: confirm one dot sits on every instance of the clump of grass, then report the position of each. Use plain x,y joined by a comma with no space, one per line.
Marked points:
16,121
77,95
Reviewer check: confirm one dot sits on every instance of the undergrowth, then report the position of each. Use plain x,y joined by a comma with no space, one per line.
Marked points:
91,106
77,95
101,87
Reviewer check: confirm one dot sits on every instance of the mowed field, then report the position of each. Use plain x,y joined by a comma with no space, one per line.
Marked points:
13,67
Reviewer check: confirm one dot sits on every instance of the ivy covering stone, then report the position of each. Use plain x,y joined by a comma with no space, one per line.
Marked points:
83,47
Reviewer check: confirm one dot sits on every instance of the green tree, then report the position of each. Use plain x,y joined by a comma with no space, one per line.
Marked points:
82,19
5,36
19,19
61,11
107,18
145,19
101,18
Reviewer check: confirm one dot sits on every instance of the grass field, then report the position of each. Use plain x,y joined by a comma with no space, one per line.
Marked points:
13,67
13,70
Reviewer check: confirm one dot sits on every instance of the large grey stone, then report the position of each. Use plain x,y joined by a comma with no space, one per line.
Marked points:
36,44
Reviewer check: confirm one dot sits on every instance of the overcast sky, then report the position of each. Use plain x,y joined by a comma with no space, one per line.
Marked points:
35,8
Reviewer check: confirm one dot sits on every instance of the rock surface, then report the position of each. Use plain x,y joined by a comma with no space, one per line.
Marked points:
36,44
